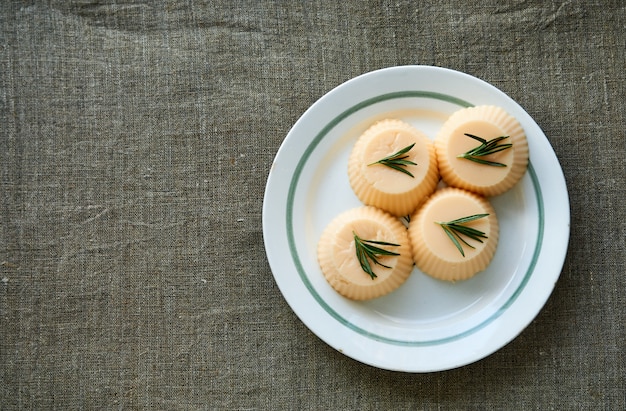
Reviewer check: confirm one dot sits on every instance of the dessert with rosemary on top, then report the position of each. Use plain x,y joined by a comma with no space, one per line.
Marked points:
454,235
482,149
365,253
393,166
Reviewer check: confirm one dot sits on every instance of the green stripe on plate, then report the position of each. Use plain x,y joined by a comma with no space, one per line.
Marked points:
296,259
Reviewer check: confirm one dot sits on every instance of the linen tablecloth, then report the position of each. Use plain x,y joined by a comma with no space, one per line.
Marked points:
135,143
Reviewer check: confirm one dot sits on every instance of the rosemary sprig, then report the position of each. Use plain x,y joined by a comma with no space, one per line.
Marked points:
367,250
398,161
455,228
485,148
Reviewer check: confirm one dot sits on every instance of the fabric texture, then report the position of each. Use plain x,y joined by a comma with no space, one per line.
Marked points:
135,143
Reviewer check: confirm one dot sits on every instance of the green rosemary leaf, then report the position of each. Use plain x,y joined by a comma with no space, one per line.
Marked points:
380,243
403,151
484,149
467,219
397,161
456,231
365,264
367,250
453,238
400,169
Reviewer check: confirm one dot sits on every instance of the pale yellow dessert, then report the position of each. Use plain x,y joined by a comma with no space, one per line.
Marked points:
435,253
377,160
342,266
460,168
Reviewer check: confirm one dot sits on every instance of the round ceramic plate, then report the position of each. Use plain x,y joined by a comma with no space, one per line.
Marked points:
425,325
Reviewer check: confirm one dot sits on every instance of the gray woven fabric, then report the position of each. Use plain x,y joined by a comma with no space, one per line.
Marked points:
136,139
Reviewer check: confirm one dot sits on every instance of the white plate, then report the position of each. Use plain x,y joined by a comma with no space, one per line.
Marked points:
426,325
